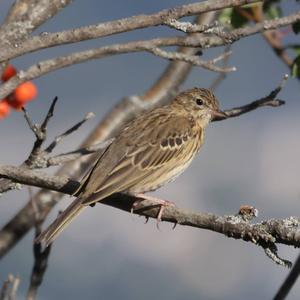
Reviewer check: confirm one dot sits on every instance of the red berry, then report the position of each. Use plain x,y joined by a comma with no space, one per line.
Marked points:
4,108
25,92
8,72
12,101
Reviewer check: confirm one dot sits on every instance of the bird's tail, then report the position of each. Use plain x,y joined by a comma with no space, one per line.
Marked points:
63,220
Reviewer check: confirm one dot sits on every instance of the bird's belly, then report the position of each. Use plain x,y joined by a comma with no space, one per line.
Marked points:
160,177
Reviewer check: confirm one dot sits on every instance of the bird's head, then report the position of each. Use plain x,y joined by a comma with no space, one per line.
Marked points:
201,103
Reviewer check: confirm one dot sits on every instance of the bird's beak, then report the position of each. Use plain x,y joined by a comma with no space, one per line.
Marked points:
218,115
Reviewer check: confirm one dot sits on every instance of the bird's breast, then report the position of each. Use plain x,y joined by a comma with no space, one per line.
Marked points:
171,170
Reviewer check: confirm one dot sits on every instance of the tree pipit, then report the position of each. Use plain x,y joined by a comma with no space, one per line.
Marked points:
149,152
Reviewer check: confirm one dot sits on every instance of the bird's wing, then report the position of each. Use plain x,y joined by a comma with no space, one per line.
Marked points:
87,175
147,144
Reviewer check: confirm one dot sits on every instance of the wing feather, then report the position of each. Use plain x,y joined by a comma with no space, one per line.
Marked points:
138,151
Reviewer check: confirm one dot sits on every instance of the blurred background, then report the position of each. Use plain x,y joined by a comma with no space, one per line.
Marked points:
252,159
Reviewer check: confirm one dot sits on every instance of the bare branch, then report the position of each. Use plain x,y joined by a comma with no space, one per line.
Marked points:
49,115
39,132
289,281
10,287
41,257
22,175
39,158
265,234
22,20
193,59
188,27
221,76
38,270
60,137
271,251
118,26
50,65
269,100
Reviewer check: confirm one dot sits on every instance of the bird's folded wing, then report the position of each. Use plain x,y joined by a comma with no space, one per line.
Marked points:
133,157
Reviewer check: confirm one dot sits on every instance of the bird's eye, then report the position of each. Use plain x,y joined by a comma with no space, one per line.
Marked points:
199,101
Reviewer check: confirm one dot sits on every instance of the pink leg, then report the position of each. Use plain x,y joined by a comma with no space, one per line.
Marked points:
162,203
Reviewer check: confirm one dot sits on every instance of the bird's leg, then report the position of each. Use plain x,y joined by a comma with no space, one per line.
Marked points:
162,204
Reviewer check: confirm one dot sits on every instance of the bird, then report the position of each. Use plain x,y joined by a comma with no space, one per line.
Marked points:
149,151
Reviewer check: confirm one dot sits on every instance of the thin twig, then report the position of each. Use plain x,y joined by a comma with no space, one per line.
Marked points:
10,287
60,137
269,100
69,156
34,128
40,132
39,158
221,76
289,281
49,115
271,251
193,59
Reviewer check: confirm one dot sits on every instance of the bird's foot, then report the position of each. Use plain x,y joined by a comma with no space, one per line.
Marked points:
160,202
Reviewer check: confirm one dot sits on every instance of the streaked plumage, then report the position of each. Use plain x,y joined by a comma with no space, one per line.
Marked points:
150,151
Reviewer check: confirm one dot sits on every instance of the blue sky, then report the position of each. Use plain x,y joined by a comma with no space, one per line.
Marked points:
252,159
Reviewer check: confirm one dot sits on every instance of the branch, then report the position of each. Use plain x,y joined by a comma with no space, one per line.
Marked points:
188,27
269,100
41,257
118,26
50,65
221,76
38,157
38,270
22,20
39,131
193,59
9,288
289,281
27,176
265,234
62,136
